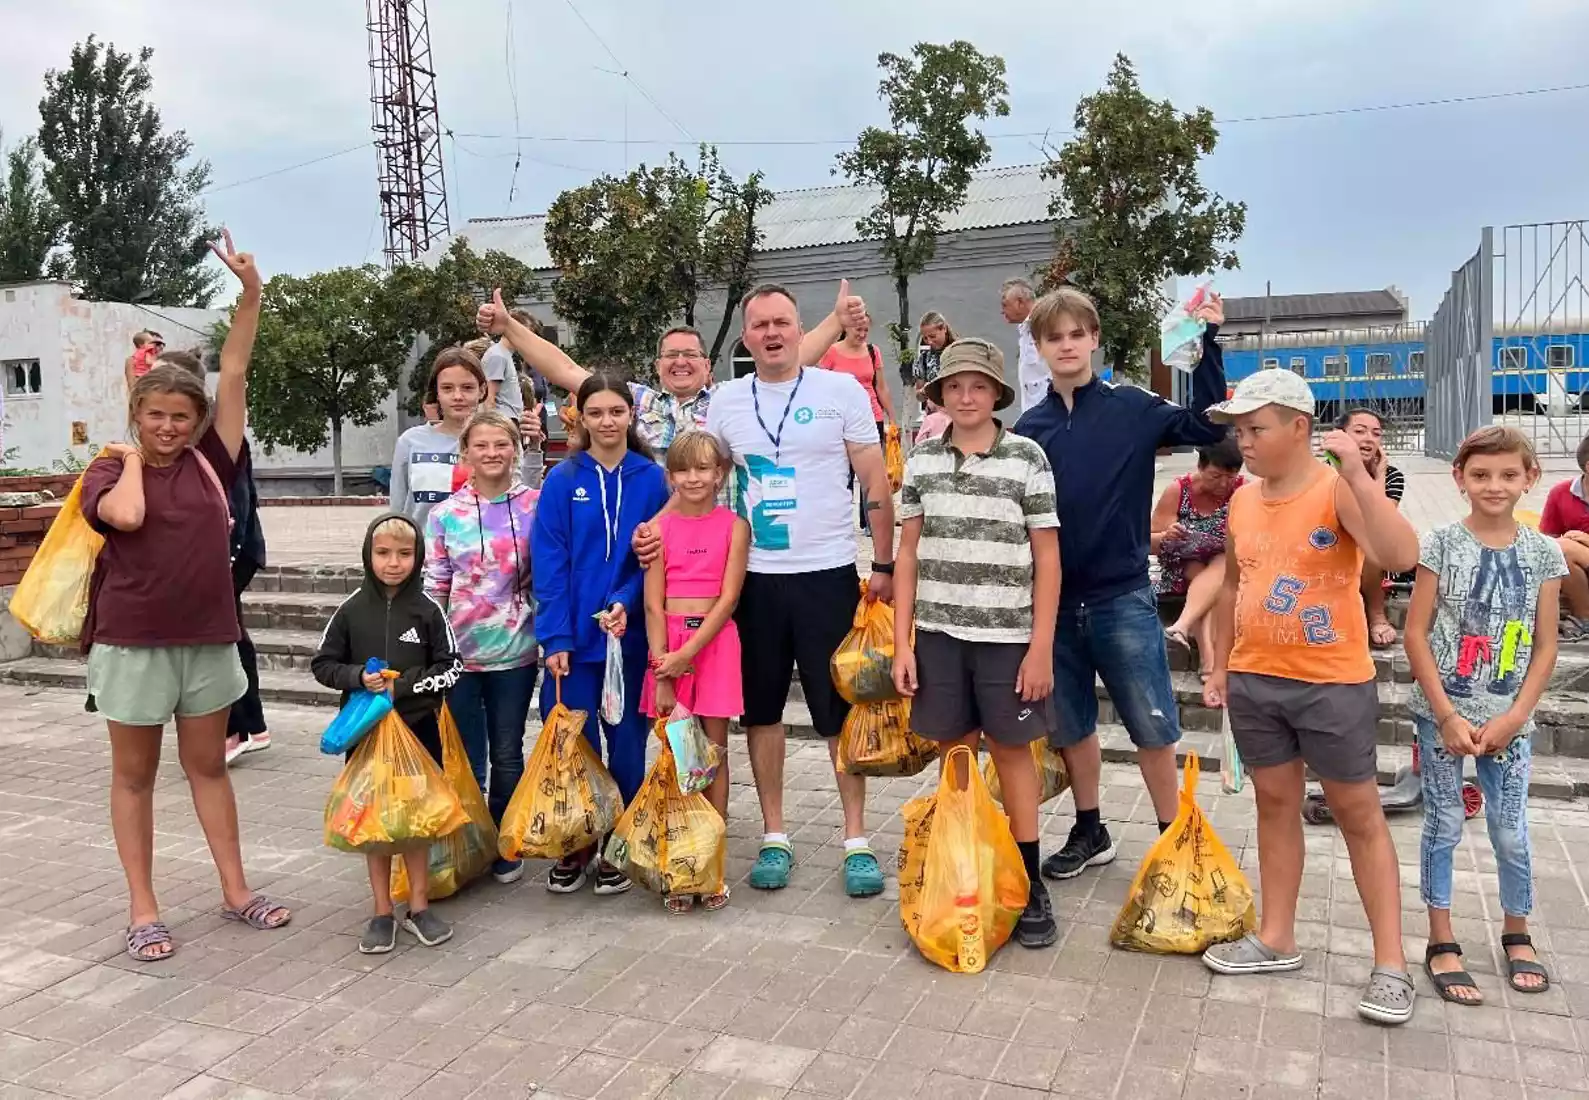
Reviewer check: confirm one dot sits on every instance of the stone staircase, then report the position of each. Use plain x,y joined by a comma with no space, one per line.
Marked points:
286,609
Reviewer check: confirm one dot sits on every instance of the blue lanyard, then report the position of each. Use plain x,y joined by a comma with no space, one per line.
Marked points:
776,440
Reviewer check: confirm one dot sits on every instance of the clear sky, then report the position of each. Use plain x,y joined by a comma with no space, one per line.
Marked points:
1350,201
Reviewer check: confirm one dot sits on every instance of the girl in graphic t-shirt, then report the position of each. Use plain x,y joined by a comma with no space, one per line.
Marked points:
691,592
162,627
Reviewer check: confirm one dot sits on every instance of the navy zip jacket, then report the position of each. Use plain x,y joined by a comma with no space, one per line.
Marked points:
1102,450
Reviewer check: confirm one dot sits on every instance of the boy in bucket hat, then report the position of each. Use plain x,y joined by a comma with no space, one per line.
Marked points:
977,585
1292,667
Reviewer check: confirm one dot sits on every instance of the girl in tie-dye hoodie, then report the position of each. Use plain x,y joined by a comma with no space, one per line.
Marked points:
478,568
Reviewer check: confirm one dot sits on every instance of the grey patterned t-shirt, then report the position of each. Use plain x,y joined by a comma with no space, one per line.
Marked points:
1485,607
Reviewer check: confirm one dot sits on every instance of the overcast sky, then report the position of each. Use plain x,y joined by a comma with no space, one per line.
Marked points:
1345,202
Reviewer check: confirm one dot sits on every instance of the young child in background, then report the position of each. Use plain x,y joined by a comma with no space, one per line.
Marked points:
389,617
1481,639
934,422
690,594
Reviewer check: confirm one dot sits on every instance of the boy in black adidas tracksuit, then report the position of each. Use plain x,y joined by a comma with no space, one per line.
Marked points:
391,618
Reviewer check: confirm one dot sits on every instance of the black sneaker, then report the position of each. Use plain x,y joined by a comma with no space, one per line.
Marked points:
568,875
1036,928
1081,851
610,880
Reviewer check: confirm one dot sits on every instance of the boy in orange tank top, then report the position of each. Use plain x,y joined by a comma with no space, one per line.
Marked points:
1292,667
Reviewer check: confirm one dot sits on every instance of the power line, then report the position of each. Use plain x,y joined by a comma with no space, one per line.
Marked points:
289,168
624,72
509,58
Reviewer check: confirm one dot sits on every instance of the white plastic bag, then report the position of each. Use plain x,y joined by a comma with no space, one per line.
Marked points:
1231,779
612,683
1181,333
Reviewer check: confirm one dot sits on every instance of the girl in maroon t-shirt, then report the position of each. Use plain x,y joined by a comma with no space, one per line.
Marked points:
162,626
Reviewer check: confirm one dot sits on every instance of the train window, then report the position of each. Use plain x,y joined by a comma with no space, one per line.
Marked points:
1271,364
1514,358
1299,365
1335,366
1415,362
1377,362
1560,356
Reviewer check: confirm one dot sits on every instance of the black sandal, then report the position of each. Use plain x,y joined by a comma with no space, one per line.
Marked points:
1445,982
1517,967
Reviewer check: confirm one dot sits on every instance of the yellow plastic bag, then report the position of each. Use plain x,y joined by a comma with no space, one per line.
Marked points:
668,841
391,796
877,740
1189,893
894,458
567,800
973,885
863,665
1053,778
51,600
464,854
918,815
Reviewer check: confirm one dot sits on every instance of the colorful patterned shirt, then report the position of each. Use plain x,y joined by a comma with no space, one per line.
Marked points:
477,567
661,417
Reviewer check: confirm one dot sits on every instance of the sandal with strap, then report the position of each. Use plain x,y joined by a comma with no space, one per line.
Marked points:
1515,968
678,904
1447,981
1388,998
258,913
713,902
143,938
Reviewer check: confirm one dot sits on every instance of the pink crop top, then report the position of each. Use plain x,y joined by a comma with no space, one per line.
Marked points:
695,553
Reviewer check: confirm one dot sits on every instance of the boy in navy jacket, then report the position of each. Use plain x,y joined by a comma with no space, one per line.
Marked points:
1101,439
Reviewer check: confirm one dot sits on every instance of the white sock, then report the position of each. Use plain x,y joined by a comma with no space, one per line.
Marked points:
855,842
776,838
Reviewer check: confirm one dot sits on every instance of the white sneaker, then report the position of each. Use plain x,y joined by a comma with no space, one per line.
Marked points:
234,749
259,742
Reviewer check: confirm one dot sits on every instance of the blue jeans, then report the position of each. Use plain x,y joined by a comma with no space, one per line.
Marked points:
491,709
1120,641
625,753
1504,780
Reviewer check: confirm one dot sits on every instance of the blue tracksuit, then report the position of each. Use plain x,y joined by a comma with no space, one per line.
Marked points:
583,564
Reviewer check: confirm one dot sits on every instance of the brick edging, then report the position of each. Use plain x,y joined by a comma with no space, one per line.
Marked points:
322,502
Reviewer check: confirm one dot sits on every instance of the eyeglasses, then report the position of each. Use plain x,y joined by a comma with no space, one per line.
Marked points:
675,356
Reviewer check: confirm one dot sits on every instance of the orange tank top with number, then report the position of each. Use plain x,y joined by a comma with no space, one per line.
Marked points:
1299,611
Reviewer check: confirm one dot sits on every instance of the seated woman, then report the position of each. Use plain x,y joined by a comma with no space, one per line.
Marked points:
1566,519
1188,535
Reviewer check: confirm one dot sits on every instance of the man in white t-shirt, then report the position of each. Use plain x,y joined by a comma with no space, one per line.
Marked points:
794,433
1017,298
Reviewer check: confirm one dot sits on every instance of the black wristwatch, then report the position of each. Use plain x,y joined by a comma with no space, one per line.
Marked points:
885,568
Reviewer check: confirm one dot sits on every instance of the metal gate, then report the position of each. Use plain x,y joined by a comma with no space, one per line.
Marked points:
1457,355
1542,317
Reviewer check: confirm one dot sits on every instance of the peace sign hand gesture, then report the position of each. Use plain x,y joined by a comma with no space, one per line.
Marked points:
238,263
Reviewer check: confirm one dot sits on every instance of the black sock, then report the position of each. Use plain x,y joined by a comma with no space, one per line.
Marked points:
1164,826
1029,858
1090,821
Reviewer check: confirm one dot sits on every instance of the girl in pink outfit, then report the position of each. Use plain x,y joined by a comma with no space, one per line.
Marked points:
690,595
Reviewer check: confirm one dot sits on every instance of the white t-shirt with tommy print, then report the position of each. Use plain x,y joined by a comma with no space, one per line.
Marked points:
791,465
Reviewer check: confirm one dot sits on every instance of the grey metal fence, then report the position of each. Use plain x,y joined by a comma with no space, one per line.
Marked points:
1457,371
1542,317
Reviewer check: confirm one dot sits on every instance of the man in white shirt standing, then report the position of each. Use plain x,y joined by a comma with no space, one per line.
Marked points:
1017,297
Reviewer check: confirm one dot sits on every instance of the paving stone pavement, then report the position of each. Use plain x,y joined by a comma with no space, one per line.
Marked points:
791,994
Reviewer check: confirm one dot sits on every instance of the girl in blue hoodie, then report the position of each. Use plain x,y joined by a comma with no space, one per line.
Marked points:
588,585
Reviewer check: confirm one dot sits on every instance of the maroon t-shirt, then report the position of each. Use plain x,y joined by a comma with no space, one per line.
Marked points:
168,583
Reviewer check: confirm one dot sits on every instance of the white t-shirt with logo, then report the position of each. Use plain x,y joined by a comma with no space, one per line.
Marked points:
1032,371
794,493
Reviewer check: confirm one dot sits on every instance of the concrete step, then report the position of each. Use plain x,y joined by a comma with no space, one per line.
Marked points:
298,578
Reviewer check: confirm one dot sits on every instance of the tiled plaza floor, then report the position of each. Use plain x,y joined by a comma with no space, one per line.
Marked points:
801,992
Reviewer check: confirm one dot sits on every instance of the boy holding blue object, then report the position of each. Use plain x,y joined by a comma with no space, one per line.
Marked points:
390,618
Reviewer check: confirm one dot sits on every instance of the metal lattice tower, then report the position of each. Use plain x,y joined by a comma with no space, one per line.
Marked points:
407,127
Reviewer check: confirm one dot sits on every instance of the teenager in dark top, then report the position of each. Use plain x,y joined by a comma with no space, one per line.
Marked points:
162,629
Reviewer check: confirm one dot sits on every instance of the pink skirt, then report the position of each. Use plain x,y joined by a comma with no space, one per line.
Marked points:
712,688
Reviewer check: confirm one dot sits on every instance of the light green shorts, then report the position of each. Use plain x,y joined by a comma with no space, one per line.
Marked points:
146,686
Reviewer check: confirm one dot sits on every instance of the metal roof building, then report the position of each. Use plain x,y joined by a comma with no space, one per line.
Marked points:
1314,312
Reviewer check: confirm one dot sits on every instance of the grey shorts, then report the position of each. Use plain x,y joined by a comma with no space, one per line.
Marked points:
148,685
1330,726
968,686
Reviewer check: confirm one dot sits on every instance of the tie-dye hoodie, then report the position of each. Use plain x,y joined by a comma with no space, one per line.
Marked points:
478,568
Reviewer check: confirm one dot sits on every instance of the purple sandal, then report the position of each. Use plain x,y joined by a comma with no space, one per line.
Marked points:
142,937
257,913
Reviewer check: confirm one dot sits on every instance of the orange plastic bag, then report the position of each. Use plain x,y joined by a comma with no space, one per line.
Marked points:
918,815
863,665
1053,779
973,884
894,458
668,841
464,854
391,796
51,600
1189,892
567,800
877,740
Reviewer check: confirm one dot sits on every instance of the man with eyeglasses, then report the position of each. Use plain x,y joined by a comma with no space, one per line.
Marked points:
683,369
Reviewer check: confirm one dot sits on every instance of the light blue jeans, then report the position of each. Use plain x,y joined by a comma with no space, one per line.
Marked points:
1504,780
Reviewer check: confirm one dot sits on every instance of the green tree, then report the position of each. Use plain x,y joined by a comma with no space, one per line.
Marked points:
440,301
921,164
1138,212
330,350
729,242
30,223
134,226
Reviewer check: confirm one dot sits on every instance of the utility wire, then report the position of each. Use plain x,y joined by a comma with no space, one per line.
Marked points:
623,71
289,168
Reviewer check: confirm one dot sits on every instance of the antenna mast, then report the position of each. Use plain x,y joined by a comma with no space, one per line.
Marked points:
407,126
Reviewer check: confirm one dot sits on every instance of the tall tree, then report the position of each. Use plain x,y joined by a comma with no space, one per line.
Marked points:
921,164
134,225
30,222
1138,212
729,242
330,350
439,302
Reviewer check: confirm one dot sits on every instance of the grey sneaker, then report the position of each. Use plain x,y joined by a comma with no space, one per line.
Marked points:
380,936
427,928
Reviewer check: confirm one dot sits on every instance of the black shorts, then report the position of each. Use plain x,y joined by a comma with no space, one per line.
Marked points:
426,730
795,620
1332,727
962,687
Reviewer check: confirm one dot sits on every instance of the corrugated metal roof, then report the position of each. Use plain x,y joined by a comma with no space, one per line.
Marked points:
813,216
1286,307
